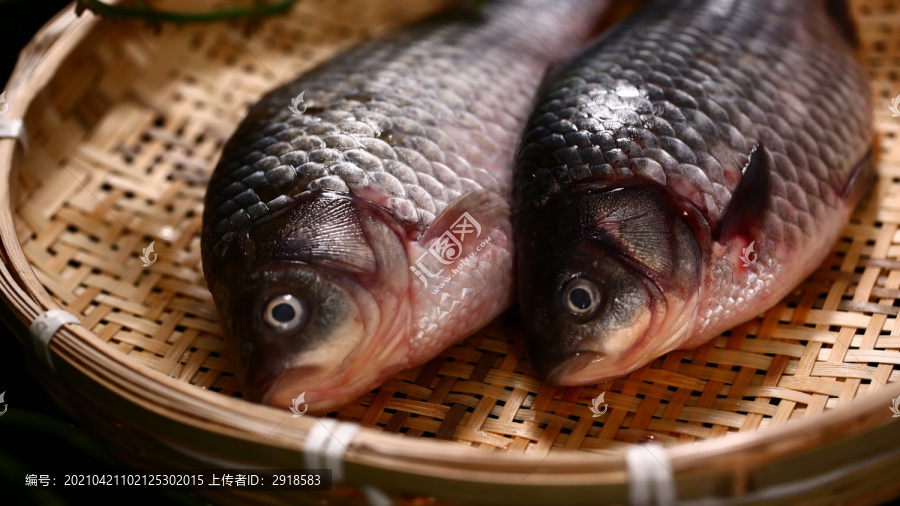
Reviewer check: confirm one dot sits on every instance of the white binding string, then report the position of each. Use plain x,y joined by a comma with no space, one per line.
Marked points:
324,448
337,447
650,472
14,129
42,330
315,443
326,444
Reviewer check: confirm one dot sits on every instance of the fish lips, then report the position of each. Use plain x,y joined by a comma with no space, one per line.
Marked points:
569,369
322,391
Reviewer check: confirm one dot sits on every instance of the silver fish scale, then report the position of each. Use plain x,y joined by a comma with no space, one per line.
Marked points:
682,100
421,118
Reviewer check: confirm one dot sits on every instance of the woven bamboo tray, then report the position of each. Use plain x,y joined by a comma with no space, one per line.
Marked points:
124,125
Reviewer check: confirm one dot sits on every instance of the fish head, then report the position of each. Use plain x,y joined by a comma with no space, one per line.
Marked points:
609,280
313,300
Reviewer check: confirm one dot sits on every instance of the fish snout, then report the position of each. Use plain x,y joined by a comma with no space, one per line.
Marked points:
265,365
570,370
281,390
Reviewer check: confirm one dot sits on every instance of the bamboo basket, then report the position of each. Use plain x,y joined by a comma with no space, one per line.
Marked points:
124,125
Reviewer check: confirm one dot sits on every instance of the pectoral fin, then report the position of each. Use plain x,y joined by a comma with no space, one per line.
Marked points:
477,211
861,179
458,232
750,197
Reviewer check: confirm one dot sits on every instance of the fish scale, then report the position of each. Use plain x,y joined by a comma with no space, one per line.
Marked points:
338,215
421,138
701,144
676,100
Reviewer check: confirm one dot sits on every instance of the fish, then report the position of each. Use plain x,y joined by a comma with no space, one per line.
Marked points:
681,175
358,221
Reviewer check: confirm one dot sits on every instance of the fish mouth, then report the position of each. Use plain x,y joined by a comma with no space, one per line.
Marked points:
320,389
591,367
282,390
571,371
264,389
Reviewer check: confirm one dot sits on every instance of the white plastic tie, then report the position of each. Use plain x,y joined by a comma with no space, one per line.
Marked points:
316,440
325,447
42,330
650,472
14,129
337,447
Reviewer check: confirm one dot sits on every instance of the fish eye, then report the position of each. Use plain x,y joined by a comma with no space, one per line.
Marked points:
580,296
284,312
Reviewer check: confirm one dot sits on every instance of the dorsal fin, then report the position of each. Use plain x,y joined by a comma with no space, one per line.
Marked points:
750,197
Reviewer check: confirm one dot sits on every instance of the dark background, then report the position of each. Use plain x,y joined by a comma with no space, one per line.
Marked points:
34,433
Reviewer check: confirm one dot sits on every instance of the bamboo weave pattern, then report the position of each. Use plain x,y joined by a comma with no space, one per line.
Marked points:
121,160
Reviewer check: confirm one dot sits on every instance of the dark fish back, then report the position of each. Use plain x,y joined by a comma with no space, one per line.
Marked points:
681,94
410,122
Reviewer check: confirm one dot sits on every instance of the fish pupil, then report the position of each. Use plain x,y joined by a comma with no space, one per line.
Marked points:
283,313
580,298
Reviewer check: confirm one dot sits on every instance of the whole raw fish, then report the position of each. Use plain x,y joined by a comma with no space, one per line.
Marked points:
682,175
358,221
